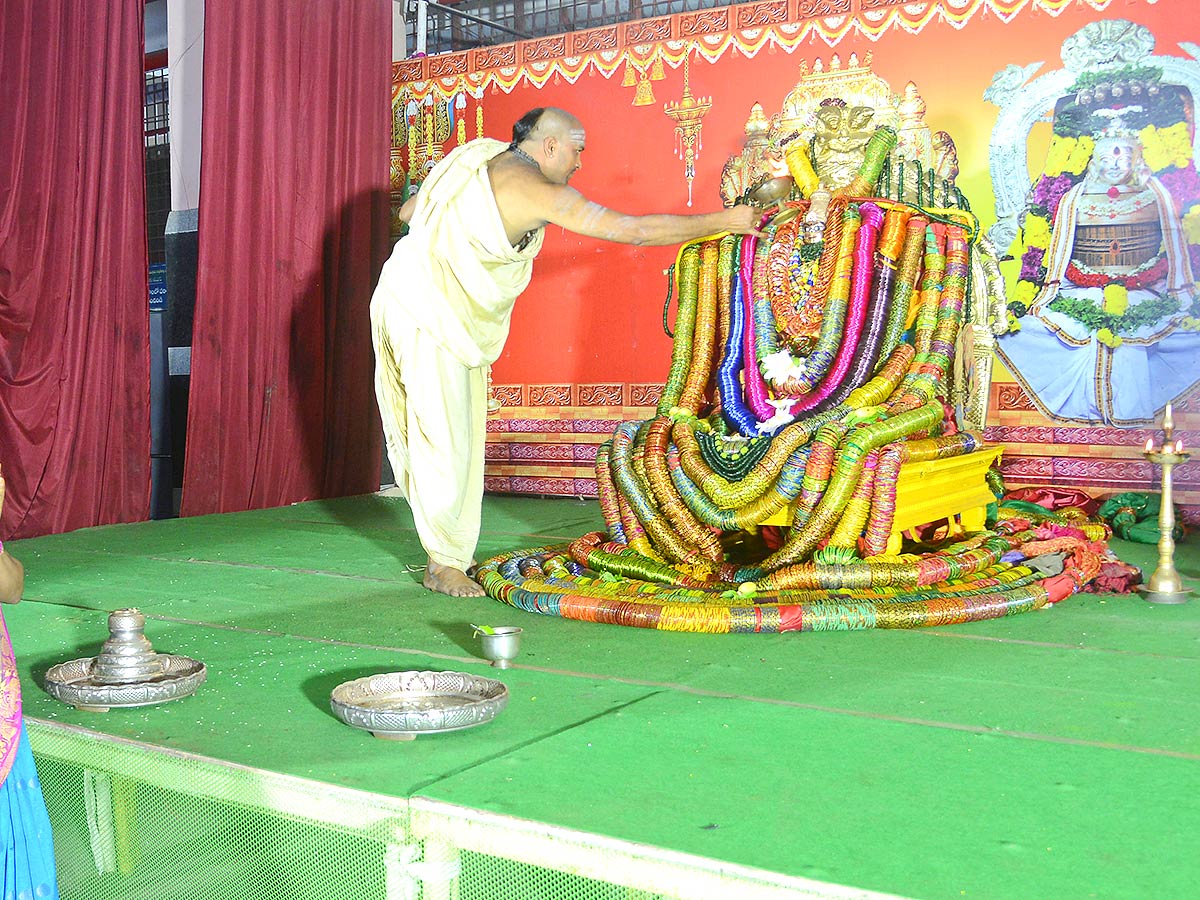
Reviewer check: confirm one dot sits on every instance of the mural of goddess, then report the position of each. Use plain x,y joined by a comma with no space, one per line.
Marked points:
1106,303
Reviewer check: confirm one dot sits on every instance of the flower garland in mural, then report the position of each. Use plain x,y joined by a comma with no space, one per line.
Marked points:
1130,101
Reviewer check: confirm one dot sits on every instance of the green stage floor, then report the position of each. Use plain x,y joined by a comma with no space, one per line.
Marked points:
1054,754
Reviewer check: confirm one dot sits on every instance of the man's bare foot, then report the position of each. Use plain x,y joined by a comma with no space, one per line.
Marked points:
448,580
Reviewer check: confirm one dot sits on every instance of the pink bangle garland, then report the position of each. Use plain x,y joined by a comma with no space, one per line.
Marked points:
861,273
754,386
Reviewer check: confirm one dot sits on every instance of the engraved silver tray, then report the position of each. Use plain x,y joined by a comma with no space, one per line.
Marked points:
72,682
401,705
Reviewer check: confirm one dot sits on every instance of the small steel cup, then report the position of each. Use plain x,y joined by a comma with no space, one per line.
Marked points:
502,645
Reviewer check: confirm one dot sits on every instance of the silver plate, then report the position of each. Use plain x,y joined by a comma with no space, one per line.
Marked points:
72,682
401,705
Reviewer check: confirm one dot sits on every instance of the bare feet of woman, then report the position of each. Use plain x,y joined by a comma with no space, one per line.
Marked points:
448,580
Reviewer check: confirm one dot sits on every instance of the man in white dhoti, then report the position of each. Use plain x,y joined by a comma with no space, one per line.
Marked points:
440,314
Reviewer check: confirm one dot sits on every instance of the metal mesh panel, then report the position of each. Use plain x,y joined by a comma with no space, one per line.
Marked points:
136,822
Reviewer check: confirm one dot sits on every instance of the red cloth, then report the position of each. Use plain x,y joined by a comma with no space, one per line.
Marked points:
791,617
74,299
1115,577
294,193
1055,498
1059,587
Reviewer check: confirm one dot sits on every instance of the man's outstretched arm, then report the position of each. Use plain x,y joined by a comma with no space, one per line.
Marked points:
564,206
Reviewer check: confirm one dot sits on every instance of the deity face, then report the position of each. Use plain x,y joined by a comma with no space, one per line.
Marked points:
1115,161
840,142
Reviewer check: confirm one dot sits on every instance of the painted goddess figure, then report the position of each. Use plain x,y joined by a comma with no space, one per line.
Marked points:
1107,301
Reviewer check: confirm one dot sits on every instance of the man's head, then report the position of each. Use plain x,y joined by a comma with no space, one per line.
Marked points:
553,137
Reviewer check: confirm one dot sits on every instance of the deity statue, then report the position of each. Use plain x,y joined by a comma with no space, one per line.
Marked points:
818,142
832,112
841,137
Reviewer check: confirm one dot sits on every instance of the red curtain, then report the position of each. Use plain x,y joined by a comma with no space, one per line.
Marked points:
293,231
74,309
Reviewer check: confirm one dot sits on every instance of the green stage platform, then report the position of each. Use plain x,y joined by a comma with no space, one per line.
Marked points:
1048,755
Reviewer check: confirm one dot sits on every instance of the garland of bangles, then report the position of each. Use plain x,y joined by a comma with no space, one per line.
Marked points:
806,394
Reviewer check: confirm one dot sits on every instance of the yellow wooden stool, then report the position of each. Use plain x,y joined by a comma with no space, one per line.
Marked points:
953,490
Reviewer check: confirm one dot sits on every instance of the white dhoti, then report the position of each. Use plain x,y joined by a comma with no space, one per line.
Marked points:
439,318
434,422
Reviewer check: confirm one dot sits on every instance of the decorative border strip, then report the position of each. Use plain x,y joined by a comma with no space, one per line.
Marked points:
607,394
544,439
747,28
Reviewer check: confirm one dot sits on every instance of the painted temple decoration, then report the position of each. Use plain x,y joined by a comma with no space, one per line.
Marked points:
688,115
820,138
420,131
640,77
1105,309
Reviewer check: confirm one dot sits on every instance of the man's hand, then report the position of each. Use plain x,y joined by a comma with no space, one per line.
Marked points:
742,219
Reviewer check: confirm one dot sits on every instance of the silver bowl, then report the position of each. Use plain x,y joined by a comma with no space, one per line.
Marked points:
127,671
501,645
401,705
771,190
76,682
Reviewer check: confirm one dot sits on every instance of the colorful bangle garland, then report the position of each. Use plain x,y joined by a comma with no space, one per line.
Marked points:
682,495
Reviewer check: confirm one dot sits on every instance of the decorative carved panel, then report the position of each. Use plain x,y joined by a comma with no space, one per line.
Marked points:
497,484
409,70
597,426
545,452
1026,467
755,15
539,426
647,31
1103,470
819,9
550,395
557,486
868,5
645,394
495,57
707,21
1019,434
1109,437
586,487
601,394
1009,396
509,394
544,48
596,39
449,64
